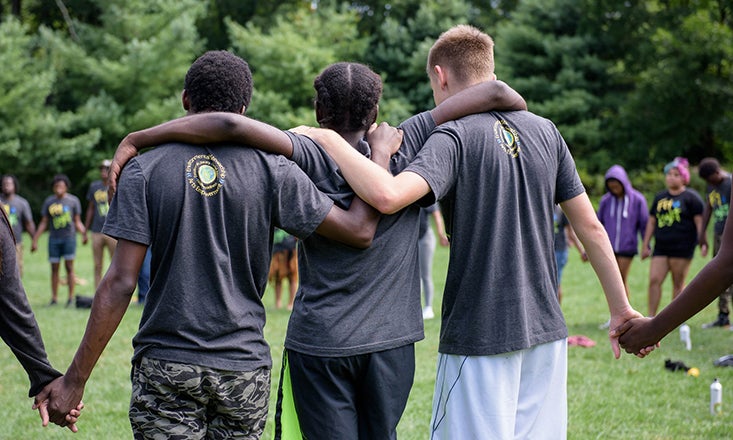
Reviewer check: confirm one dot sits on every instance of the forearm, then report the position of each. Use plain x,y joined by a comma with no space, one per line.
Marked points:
107,312
369,180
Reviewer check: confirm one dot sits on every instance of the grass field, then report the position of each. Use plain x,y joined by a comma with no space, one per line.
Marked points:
628,398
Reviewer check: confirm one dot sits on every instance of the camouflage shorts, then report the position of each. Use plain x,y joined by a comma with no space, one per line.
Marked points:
184,401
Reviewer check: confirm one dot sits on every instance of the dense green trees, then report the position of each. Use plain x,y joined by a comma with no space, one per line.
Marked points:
629,82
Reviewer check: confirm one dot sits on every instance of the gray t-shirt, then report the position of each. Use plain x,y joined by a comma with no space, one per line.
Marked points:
208,215
498,176
97,194
19,212
60,213
355,301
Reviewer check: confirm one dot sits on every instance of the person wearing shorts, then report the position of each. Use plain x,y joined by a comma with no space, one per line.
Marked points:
675,222
61,215
19,213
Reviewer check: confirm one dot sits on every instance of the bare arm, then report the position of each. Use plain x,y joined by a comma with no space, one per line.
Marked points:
482,97
574,241
707,285
357,226
440,227
199,129
702,238
372,183
108,308
30,227
651,225
42,225
591,233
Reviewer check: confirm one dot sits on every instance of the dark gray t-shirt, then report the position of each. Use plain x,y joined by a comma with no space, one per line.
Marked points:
60,213
97,194
355,301
208,215
19,212
498,176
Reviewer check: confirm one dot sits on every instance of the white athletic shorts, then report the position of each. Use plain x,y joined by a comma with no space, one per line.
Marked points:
517,395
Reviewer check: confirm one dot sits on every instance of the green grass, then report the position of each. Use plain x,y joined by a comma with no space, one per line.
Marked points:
628,398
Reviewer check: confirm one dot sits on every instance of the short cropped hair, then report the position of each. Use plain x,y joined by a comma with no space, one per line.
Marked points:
466,51
61,178
708,167
347,95
218,81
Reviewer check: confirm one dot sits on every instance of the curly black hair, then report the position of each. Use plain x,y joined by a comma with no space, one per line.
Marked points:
61,178
347,95
708,167
218,81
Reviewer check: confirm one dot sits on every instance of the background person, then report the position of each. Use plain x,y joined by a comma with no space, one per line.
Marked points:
717,207
96,213
675,222
61,215
19,213
426,252
624,214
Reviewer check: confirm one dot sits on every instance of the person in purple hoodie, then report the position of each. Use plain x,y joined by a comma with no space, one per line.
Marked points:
624,214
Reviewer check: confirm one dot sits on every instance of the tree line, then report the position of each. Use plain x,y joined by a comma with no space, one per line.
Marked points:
635,83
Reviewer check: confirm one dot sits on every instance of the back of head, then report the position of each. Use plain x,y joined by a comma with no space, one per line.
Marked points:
347,96
466,51
218,81
708,167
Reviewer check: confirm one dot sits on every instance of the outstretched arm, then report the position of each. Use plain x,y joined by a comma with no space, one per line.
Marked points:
591,233
482,97
199,129
110,303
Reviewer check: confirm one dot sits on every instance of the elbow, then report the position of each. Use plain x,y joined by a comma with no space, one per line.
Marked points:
363,236
386,202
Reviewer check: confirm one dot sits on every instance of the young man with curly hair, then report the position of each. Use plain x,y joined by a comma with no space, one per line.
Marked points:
201,365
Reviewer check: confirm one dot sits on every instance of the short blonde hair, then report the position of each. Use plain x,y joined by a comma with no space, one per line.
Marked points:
466,51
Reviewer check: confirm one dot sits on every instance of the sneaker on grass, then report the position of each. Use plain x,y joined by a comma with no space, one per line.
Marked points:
722,321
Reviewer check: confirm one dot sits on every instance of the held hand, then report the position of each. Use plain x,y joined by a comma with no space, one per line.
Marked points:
57,401
637,336
384,138
84,238
704,249
34,246
444,240
616,322
125,151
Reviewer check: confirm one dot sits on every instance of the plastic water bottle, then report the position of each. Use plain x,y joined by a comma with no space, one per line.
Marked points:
685,336
716,397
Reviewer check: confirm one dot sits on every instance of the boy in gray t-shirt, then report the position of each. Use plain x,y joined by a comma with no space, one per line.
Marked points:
208,216
498,176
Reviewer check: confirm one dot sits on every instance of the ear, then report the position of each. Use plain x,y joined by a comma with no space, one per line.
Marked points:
441,75
185,101
243,110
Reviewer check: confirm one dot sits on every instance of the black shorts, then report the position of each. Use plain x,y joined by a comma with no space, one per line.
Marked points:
361,396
